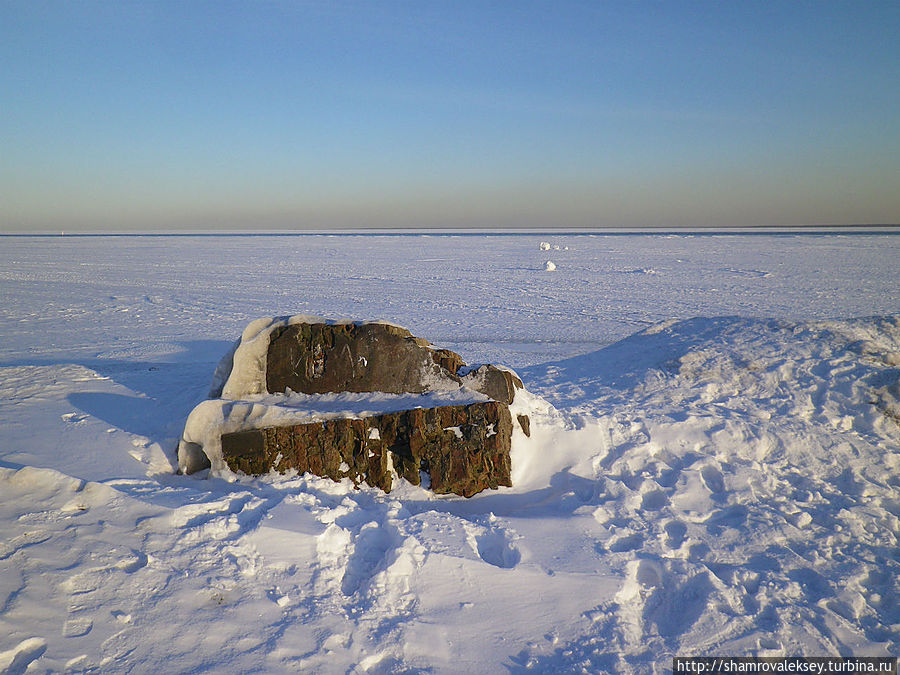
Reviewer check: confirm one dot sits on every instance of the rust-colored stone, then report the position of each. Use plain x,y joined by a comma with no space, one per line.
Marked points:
463,448
336,449
525,423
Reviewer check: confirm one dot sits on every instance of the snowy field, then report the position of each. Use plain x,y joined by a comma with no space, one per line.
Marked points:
714,466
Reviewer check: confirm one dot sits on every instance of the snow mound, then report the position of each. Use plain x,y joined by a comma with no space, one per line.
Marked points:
744,475
16,660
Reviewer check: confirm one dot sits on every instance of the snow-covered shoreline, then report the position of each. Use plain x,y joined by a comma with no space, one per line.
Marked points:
714,463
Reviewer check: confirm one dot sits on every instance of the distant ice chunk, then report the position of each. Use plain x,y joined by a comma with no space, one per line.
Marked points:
549,266
547,246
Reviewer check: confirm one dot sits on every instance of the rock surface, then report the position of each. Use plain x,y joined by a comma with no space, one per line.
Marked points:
498,384
464,449
317,358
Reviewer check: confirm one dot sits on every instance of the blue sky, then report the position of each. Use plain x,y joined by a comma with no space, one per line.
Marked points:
264,115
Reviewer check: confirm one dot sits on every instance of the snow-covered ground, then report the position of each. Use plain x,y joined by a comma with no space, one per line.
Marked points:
714,465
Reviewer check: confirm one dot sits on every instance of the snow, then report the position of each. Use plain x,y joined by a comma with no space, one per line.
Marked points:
713,466
456,431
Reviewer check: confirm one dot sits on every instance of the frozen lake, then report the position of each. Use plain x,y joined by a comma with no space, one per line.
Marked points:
486,296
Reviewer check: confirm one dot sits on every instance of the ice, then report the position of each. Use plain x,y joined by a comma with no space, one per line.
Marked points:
713,462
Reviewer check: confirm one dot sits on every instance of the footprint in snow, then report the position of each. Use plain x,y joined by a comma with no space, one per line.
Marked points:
627,542
814,585
585,491
734,516
496,549
133,562
698,551
370,550
675,533
77,626
713,479
75,418
654,500
83,582
677,607
9,548
195,515
769,646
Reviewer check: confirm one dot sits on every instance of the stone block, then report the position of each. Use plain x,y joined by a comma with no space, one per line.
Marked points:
317,358
450,430
464,449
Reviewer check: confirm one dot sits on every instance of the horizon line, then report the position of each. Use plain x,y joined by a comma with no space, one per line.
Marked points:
858,228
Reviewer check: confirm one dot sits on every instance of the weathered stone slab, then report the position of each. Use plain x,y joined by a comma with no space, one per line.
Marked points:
317,358
335,449
525,423
463,448
498,384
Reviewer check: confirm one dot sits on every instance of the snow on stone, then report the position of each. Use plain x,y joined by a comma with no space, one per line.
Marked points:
456,431
713,462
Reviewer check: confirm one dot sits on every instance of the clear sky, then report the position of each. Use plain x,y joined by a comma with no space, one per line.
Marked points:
262,115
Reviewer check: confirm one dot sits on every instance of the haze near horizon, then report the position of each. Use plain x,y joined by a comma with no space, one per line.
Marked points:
304,115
